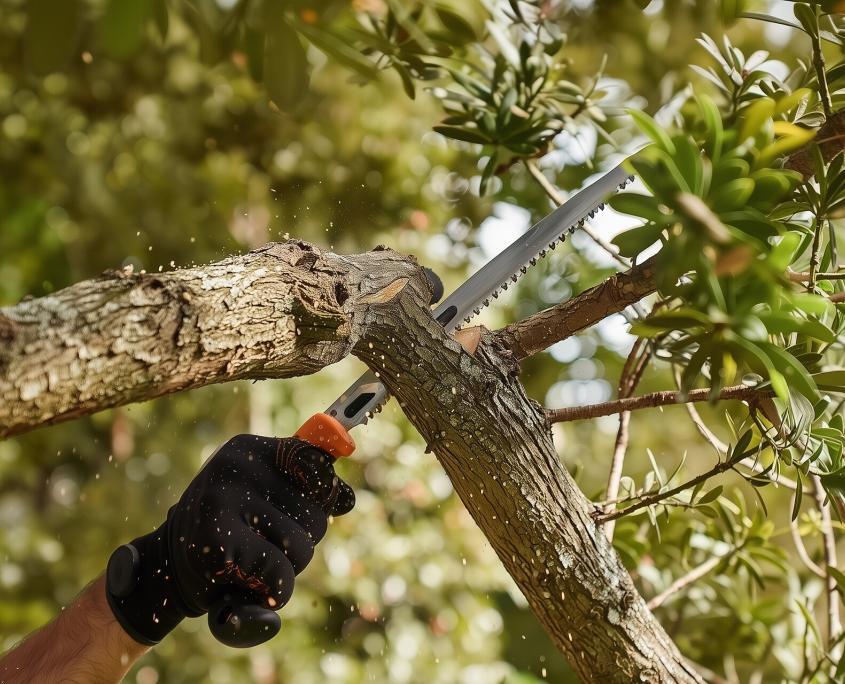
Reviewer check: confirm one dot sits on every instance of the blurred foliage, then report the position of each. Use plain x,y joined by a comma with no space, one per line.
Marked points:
161,133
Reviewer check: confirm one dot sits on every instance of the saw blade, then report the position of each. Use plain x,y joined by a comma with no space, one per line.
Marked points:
367,394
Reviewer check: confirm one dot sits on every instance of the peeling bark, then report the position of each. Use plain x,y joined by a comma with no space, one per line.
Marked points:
283,310
288,309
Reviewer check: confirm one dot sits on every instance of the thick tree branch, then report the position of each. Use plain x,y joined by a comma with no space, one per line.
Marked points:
502,462
543,329
285,309
665,398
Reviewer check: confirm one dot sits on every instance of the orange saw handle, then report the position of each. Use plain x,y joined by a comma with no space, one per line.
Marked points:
326,432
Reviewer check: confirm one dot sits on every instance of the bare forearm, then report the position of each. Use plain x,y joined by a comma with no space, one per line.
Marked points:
84,644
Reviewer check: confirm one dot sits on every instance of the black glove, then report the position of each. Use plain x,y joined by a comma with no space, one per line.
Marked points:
247,524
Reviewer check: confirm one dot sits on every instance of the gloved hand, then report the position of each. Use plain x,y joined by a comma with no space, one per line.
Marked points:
247,524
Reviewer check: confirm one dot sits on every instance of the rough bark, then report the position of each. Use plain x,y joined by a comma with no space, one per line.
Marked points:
289,309
503,464
285,309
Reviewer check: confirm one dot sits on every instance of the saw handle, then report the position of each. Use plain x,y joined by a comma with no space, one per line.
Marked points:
325,432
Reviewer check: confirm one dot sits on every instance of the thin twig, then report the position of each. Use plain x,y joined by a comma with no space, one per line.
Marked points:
683,582
796,277
815,257
834,624
556,197
720,467
812,566
664,398
628,381
818,64
750,462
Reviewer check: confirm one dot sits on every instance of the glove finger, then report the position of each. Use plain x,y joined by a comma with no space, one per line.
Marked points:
283,532
262,569
344,500
294,503
310,468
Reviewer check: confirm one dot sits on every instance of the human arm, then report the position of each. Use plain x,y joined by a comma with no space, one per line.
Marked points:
245,526
84,644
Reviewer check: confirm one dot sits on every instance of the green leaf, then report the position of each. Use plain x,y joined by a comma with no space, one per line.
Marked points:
777,322
651,128
806,16
830,381
688,159
713,123
286,72
337,49
839,576
52,29
710,496
122,26
487,174
810,303
456,24
799,492
463,134
632,242
732,195
788,102
784,251
755,117
793,371
638,205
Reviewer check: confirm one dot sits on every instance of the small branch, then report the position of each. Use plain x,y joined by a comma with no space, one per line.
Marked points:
543,329
665,398
720,467
834,624
691,577
720,447
806,277
818,64
798,542
556,197
815,257
630,378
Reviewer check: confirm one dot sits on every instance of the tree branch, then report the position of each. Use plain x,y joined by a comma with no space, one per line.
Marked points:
720,467
690,578
496,448
665,398
834,624
285,309
543,329
630,378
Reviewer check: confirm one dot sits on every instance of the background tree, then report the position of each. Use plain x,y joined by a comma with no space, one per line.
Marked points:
120,124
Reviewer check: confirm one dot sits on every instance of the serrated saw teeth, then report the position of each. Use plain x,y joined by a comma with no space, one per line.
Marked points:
497,275
542,253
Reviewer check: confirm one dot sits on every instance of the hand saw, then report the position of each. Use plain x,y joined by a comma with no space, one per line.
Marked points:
234,619
329,430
